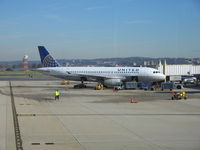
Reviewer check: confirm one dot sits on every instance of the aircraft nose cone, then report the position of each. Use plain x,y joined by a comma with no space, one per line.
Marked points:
158,77
162,77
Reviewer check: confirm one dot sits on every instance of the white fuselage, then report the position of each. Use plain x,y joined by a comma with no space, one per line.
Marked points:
103,73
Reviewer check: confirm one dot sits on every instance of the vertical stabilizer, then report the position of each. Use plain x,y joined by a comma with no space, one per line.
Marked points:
46,59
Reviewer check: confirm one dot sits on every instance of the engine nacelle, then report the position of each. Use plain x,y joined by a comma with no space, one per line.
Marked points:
112,82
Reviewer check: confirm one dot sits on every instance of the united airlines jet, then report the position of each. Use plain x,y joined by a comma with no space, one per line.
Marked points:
108,76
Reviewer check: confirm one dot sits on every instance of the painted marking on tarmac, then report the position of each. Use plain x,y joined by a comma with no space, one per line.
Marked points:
18,139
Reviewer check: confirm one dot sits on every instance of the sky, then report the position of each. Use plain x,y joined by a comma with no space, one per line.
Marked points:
87,29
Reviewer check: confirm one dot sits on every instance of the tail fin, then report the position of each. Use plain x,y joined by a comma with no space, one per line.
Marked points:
46,59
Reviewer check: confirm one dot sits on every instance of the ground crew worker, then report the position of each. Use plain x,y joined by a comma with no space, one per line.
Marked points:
184,94
181,94
57,94
102,86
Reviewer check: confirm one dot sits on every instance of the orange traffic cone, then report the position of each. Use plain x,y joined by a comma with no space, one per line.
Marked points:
115,90
133,100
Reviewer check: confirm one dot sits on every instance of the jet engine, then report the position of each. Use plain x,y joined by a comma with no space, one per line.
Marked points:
112,82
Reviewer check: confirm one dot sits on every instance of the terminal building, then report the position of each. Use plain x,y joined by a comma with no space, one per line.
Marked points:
176,71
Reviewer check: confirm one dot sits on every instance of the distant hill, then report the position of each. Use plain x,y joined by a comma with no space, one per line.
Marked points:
128,61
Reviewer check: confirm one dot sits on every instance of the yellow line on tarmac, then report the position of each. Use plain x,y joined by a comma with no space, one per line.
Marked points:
26,115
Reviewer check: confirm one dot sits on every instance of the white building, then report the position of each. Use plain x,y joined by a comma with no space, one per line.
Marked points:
178,70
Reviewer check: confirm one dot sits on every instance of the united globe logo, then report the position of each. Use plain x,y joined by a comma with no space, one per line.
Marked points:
49,62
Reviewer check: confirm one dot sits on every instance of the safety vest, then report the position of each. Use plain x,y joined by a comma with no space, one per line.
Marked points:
57,93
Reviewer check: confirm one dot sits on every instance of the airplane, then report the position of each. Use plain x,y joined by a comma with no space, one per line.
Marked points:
108,76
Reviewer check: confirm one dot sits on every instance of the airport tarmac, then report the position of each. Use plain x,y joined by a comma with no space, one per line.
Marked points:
87,119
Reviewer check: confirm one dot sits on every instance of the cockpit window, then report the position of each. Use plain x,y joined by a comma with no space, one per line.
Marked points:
156,72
